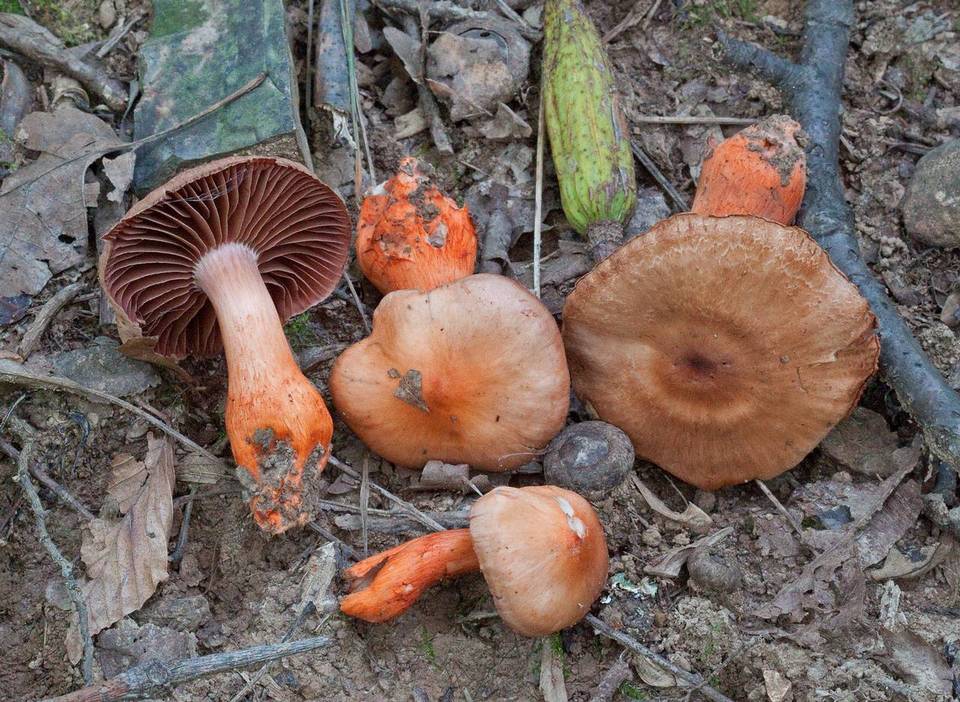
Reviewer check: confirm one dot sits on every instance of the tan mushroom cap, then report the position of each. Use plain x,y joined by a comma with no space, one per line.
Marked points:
470,372
298,228
726,348
543,554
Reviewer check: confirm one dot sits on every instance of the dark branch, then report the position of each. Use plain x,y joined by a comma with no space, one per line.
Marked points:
812,90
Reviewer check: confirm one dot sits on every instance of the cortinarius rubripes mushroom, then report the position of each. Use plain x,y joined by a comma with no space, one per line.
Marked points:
217,258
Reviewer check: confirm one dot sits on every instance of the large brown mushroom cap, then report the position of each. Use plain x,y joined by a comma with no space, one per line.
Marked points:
470,372
726,348
543,554
297,226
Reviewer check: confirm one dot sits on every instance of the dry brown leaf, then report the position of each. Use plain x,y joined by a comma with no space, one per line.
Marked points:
653,675
669,565
888,526
127,558
197,468
43,216
127,476
900,566
778,688
438,475
692,516
916,661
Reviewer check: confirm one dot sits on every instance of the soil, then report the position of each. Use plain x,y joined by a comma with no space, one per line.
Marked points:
451,645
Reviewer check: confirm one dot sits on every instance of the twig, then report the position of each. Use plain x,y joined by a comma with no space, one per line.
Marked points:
66,568
177,554
46,314
629,642
332,538
356,300
120,33
398,523
365,505
26,37
812,88
522,25
723,664
401,503
444,9
631,18
197,495
679,201
308,64
538,202
781,509
17,374
156,675
51,484
133,145
425,99
692,119
611,681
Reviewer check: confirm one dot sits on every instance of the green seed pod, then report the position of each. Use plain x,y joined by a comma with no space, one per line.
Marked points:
588,134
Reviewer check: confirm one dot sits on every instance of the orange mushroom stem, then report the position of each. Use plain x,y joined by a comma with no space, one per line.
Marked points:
410,236
759,171
387,584
278,424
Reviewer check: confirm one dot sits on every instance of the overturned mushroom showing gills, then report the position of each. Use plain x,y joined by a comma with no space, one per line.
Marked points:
412,236
760,171
217,259
470,372
725,347
541,550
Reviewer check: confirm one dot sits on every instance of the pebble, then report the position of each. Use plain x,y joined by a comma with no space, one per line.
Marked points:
107,14
651,536
931,207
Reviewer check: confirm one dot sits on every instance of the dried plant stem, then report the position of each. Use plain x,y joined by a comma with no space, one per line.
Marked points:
781,509
66,568
693,119
157,675
433,524
812,89
680,203
538,201
332,538
356,300
629,642
46,314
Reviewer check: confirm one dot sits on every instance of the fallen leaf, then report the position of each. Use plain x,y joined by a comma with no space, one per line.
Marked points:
778,688
198,468
916,661
670,564
409,124
126,558
692,516
120,172
320,571
863,443
407,50
888,526
551,672
437,475
43,215
653,675
505,125
914,564
127,476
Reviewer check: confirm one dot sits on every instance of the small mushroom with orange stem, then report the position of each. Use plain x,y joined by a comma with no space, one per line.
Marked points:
759,171
217,258
540,549
412,236
725,347
470,372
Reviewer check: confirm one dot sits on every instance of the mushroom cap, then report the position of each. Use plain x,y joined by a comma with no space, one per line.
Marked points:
410,236
298,227
726,348
543,554
470,372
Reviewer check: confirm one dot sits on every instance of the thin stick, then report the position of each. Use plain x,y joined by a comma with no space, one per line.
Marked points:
359,130
157,675
365,505
781,509
17,374
679,201
56,488
332,538
356,300
177,554
308,64
629,642
133,145
692,119
46,314
538,202
522,26
401,503
66,568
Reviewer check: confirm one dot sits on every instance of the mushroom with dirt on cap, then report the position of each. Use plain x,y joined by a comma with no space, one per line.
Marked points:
412,236
470,372
216,259
541,550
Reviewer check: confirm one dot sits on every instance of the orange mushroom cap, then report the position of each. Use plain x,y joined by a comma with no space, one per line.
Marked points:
412,236
218,258
726,348
759,171
541,550
470,372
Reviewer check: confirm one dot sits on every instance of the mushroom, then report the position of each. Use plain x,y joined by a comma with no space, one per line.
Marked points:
216,259
760,171
470,372
411,236
541,550
725,347
591,458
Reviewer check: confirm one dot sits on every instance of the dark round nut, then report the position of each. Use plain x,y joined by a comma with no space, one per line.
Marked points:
591,458
711,572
